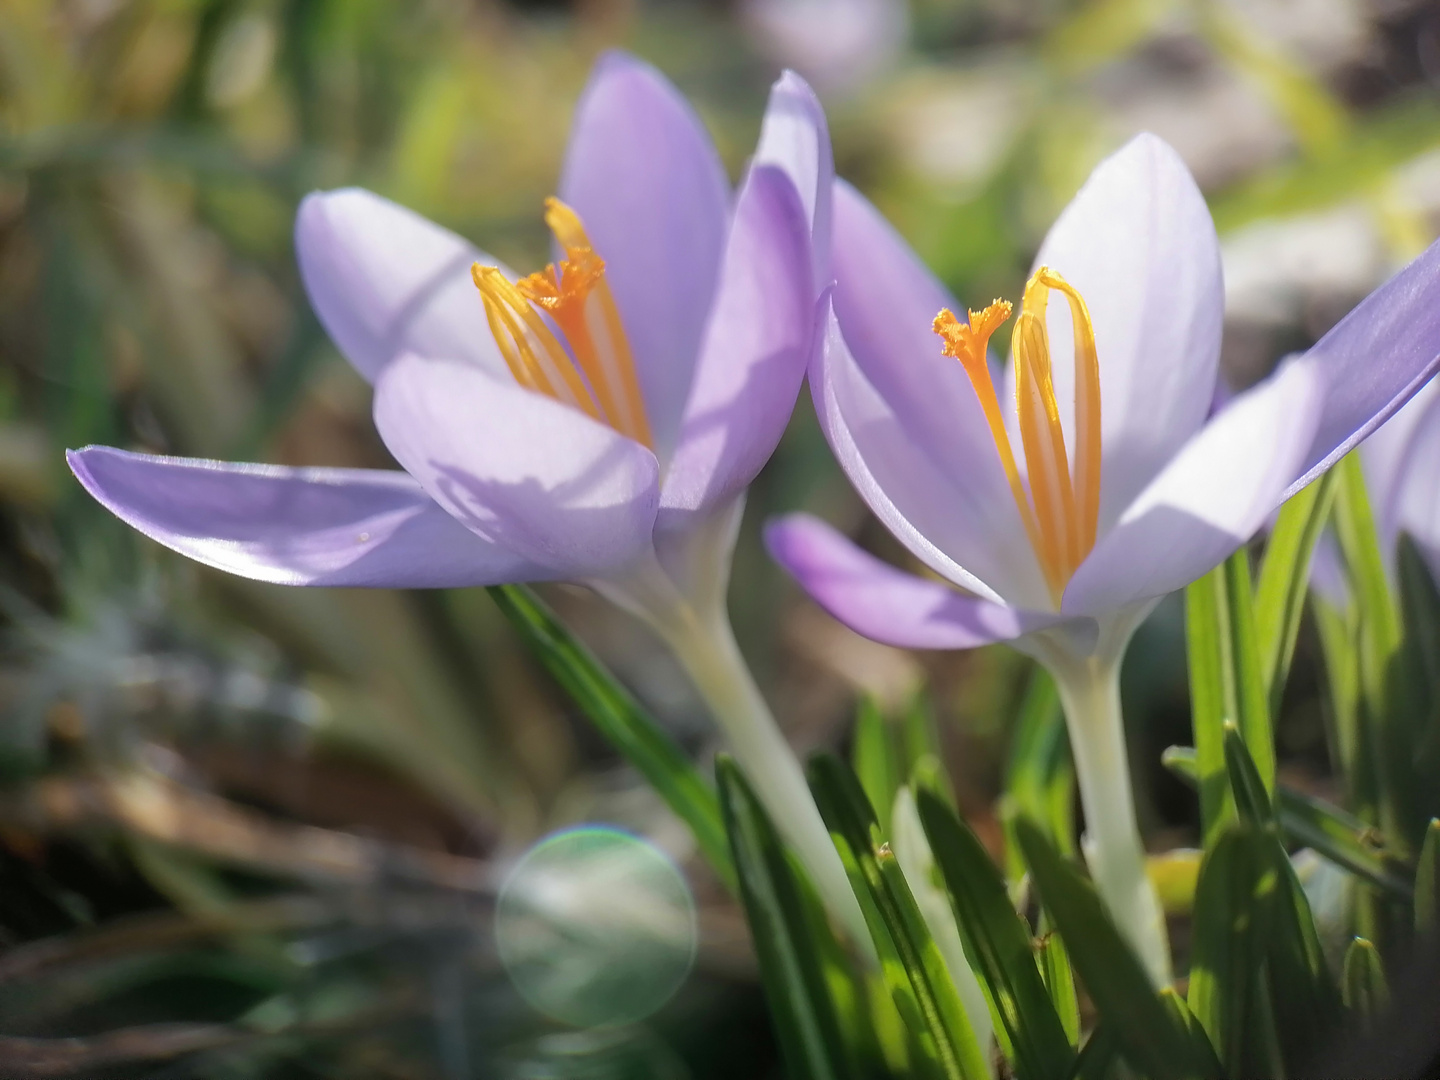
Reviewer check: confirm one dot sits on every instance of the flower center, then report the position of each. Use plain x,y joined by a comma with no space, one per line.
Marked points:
1061,507
597,373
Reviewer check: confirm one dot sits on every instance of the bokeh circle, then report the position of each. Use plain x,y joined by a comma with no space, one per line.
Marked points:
596,927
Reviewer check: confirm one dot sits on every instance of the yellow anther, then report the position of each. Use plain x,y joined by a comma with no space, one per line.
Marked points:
576,296
1060,511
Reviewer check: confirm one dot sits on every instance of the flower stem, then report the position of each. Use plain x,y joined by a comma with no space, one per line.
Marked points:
707,649
1090,694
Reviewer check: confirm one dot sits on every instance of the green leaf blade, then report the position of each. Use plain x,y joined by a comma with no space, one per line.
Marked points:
911,962
1153,1040
628,727
791,965
998,944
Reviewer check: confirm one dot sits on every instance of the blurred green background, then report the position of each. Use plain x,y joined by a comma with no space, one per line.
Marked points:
249,831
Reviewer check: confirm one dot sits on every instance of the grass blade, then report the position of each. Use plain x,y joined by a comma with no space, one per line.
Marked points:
1234,903
628,727
1151,1037
1365,988
791,964
999,945
1284,580
875,759
1040,777
913,967
1252,800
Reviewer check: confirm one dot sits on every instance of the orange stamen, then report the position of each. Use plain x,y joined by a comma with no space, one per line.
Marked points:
1060,511
576,296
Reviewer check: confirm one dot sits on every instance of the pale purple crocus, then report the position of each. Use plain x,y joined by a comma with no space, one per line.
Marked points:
1179,489
517,474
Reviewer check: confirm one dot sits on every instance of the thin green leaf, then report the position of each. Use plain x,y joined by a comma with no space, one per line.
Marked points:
875,759
1427,881
1040,776
1379,634
1314,823
1251,799
1206,646
1098,1055
1285,578
628,727
1153,1041
791,964
1366,991
1303,995
1340,837
1054,961
1247,683
998,943
912,965
1234,903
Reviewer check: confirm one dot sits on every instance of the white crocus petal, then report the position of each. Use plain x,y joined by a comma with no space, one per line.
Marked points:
1214,496
1138,243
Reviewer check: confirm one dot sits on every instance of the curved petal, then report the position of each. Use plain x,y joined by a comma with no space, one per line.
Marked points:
886,604
795,137
754,356
1375,359
1413,505
886,302
646,180
1211,498
946,512
1138,243
519,469
295,526
1385,456
385,280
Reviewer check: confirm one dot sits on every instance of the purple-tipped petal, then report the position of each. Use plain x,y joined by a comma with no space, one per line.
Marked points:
754,356
521,470
1211,498
1139,245
360,527
886,302
886,604
953,514
646,180
384,280
795,137
1413,503
1374,359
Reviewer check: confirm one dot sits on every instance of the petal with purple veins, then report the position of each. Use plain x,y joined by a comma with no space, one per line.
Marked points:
357,527
889,605
521,470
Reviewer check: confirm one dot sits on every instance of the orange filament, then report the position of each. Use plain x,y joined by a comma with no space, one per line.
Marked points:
1061,509
577,298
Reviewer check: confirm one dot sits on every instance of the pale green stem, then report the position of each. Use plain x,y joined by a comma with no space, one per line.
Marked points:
697,629
707,649
1090,695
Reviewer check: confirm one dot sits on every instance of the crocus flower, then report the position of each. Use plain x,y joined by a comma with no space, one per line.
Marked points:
596,422
1057,520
